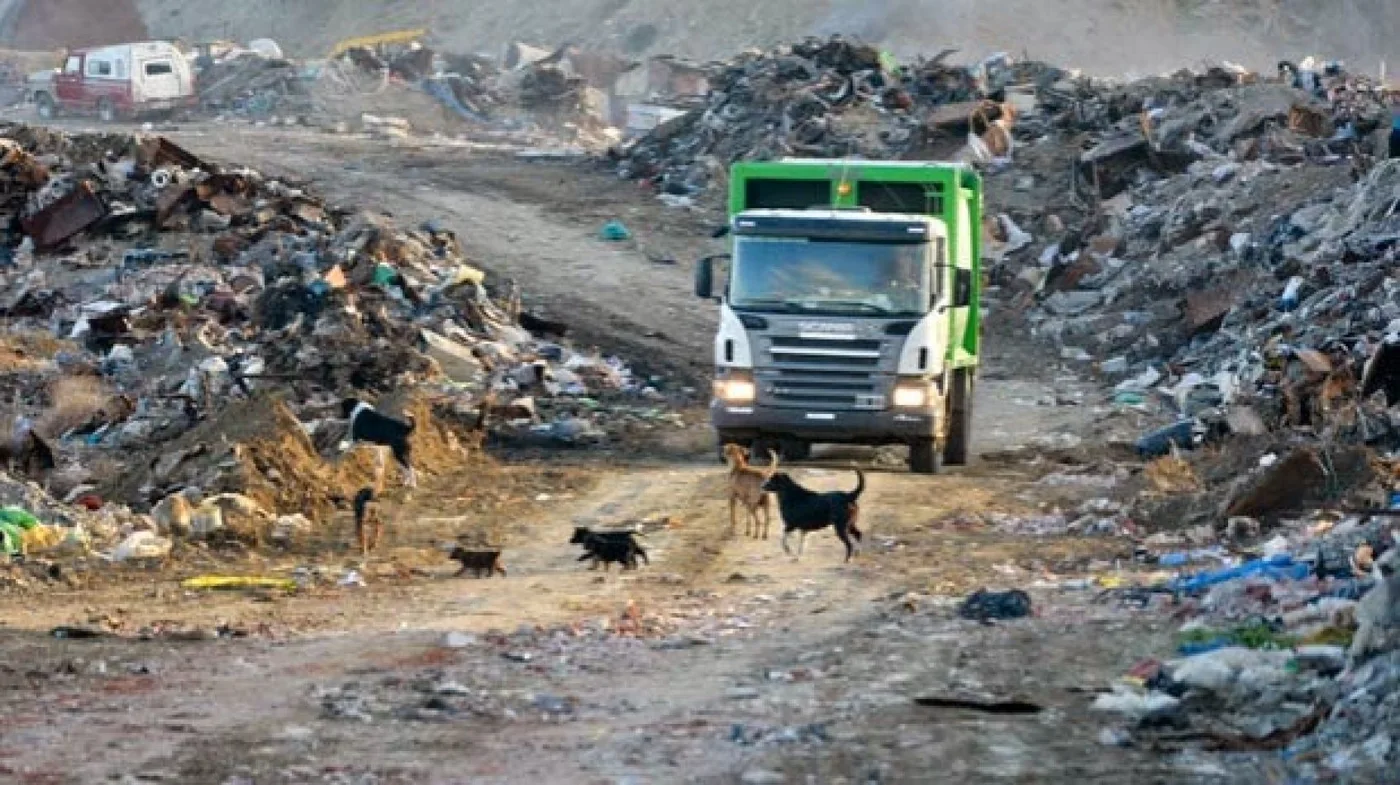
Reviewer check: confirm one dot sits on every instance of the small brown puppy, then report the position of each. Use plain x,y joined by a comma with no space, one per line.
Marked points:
369,525
746,488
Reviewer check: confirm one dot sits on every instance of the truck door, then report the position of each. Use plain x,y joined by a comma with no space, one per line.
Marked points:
68,83
100,82
157,79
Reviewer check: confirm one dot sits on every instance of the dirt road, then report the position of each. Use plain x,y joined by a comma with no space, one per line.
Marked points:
725,660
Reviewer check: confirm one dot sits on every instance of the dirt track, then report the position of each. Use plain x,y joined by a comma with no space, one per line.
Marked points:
723,657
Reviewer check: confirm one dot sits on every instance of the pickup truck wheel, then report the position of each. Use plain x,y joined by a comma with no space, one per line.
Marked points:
105,111
960,398
925,457
44,105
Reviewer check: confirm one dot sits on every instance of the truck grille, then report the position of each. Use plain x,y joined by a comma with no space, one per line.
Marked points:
828,375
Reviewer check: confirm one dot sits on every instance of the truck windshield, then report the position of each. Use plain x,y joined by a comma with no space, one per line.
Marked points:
790,274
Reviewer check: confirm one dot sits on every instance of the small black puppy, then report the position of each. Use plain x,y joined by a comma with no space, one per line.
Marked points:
609,548
369,426
482,563
807,511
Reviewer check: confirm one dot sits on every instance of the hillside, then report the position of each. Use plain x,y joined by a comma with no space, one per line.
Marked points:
1111,36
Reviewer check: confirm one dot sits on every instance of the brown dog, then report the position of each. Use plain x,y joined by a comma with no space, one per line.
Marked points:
746,488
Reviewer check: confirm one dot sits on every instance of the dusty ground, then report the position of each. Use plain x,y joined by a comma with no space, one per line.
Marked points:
723,660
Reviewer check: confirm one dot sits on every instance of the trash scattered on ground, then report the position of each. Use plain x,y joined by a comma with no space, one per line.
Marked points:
986,605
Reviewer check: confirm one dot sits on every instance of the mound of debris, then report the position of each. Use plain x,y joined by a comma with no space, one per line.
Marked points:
190,295
824,98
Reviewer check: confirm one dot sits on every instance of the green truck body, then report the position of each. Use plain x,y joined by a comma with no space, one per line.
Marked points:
851,313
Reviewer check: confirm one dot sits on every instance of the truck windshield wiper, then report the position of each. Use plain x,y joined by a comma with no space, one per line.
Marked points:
857,305
773,305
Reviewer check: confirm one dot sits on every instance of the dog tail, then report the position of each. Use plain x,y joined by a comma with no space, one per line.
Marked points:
860,485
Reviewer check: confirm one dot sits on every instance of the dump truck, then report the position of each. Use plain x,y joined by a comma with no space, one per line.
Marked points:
850,313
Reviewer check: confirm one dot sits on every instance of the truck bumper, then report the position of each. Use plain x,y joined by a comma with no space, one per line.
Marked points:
849,427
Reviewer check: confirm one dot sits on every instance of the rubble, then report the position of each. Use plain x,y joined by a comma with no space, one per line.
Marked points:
219,316
824,98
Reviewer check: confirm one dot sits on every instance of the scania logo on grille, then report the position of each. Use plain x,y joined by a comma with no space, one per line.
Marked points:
825,327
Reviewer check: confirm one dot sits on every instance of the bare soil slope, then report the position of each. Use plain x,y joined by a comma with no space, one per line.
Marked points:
1108,36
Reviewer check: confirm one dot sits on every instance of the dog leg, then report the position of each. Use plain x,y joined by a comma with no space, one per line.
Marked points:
786,534
733,514
801,542
846,540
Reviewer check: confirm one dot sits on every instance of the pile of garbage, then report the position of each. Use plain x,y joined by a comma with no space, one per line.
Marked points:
198,325
251,84
1289,658
826,98
1216,244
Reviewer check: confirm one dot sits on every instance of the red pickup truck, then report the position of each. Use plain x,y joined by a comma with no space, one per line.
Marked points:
116,81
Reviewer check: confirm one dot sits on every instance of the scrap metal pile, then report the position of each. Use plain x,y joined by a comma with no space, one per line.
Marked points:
823,98
212,317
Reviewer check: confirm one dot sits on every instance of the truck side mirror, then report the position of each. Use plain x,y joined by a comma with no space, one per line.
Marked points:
962,287
705,276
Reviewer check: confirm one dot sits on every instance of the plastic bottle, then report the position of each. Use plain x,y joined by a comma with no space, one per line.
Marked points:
1291,292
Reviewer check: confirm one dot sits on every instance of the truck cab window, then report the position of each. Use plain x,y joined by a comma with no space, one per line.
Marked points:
99,68
74,65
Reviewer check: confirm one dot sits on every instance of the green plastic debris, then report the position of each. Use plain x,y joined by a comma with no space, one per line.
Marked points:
385,274
11,539
888,63
19,517
615,232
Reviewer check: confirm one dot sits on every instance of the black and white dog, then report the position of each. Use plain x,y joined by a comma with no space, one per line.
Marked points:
369,426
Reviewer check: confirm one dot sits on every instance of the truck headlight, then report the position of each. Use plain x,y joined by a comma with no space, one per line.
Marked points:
909,395
737,388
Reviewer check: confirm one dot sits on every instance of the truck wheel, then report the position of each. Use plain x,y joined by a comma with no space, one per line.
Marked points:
960,398
106,112
925,457
795,450
44,105
759,449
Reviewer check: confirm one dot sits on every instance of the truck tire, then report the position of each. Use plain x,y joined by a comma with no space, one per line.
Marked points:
925,457
45,106
795,450
960,397
106,112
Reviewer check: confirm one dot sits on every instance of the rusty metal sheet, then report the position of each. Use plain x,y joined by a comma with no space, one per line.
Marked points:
159,151
1205,308
55,224
170,200
1315,361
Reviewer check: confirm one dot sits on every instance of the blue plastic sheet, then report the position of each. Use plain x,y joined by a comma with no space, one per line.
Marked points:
1280,568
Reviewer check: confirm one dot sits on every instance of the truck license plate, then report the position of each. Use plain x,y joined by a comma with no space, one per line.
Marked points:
820,416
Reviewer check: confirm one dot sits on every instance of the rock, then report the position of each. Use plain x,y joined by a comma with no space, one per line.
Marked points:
1072,303
458,640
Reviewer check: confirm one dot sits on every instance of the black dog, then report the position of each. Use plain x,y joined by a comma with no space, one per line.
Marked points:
609,548
807,511
369,426
482,563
